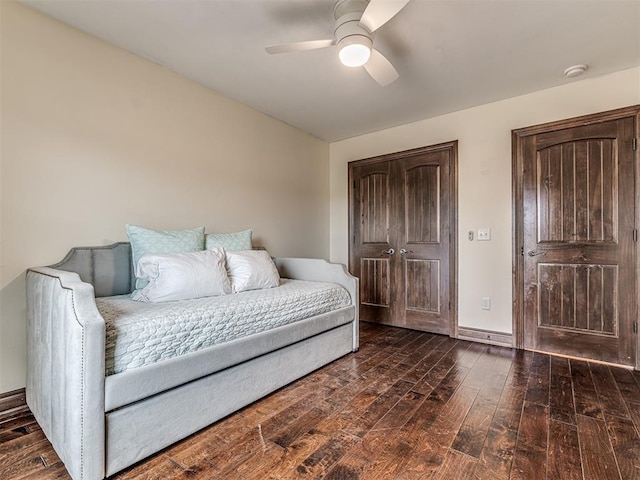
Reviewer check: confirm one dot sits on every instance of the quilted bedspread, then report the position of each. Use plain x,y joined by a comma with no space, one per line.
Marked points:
139,334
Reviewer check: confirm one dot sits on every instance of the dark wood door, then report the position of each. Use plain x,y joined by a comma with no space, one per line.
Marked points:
402,232
579,252
372,221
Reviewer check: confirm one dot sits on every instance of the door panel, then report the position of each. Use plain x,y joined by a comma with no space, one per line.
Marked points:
425,266
579,297
424,278
579,277
422,204
374,282
401,235
577,192
374,195
371,202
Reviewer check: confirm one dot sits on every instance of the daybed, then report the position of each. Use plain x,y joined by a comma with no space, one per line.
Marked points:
100,424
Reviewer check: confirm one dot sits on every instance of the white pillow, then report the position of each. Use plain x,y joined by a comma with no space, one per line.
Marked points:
251,270
181,276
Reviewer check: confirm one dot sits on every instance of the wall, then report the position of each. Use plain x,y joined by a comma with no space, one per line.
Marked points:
484,179
94,137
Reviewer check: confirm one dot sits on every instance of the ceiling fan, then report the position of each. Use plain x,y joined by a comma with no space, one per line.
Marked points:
355,27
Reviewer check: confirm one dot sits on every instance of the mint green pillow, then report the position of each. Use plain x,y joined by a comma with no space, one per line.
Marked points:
232,242
153,242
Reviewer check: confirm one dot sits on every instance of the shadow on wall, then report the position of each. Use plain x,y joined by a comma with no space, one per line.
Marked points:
13,334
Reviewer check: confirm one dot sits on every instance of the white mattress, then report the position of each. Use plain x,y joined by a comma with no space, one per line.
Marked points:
140,333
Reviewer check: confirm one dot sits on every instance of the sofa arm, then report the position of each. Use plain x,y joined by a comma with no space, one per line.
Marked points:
65,368
319,270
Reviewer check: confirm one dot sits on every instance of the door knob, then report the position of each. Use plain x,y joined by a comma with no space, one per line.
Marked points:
391,251
404,251
531,253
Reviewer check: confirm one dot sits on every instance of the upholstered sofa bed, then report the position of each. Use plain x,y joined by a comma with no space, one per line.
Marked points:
102,419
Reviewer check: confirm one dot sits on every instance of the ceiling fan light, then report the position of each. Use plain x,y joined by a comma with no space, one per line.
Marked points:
354,54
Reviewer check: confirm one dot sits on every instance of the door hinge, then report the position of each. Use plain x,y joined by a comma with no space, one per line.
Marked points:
634,142
354,184
522,251
635,327
635,234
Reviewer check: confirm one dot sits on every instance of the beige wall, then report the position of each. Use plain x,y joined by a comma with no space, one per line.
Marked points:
484,168
94,137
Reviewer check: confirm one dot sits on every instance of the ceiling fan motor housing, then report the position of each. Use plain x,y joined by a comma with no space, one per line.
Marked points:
348,29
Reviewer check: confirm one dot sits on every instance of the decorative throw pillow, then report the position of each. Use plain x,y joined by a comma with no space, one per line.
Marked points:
231,242
251,270
182,276
149,242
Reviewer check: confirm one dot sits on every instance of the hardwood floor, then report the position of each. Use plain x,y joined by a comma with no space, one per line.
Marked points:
407,405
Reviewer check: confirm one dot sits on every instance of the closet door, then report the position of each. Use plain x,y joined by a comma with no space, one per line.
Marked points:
373,254
423,238
402,240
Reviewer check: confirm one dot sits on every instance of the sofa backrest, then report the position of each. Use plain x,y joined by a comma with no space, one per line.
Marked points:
107,268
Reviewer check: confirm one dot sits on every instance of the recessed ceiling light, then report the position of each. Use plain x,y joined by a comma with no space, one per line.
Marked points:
575,71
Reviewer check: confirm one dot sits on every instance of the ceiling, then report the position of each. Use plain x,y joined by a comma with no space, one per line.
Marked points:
450,54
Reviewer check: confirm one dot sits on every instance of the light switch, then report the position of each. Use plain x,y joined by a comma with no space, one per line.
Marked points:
486,303
484,234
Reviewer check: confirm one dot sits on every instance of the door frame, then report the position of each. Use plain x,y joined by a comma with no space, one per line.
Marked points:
453,215
517,159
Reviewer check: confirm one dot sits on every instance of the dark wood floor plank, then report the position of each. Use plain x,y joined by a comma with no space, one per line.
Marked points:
421,368
294,430
598,458
406,405
634,410
607,389
398,448
457,465
398,415
560,366
378,409
25,456
629,388
158,466
286,466
564,452
585,396
15,445
520,369
539,379
367,460
57,471
626,445
321,463
530,457
432,446
561,404
497,454
440,369
473,432
469,356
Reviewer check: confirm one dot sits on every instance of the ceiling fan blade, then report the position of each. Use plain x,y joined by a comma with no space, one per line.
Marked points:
379,12
381,69
299,46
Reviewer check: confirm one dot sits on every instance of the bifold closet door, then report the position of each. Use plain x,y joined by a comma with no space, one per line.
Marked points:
401,236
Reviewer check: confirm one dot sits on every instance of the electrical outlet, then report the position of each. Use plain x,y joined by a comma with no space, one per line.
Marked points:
484,234
486,302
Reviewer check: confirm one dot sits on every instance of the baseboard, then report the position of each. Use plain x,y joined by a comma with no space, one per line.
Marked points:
485,336
12,404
